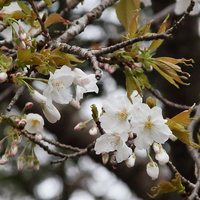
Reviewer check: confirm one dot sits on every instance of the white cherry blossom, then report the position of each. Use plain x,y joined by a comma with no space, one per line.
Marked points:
162,157
35,123
58,85
112,142
117,114
84,83
38,97
149,126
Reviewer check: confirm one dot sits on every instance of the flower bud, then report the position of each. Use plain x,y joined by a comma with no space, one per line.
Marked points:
156,147
93,130
30,162
3,77
80,126
105,157
28,105
152,170
13,150
38,136
4,159
36,165
38,97
130,162
22,123
162,157
21,162
75,104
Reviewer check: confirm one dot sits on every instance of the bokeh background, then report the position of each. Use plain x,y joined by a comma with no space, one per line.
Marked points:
85,178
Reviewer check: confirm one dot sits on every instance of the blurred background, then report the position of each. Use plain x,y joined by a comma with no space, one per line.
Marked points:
85,178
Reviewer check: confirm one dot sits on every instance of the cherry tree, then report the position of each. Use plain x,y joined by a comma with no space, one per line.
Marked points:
48,73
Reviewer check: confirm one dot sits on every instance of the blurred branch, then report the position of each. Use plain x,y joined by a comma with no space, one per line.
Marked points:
41,5
79,25
70,5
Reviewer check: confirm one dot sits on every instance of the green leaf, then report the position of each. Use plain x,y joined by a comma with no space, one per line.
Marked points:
125,11
156,43
166,187
131,83
177,125
48,2
94,113
24,7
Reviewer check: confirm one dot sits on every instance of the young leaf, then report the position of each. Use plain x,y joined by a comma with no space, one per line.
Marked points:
125,11
24,7
178,124
166,187
131,83
156,43
55,18
48,2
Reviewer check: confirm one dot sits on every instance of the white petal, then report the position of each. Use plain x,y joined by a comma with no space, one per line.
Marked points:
123,152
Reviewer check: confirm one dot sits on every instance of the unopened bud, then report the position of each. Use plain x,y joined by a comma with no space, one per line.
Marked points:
156,147
30,163
36,164
80,126
130,162
93,130
21,162
22,45
3,77
22,123
162,157
13,150
4,159
38,97
75,104
105,157
28,105
152,170
38,136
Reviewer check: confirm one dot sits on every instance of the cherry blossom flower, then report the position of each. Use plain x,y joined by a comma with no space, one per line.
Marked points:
58,84
118,112
112,142
34,123
182,5
152,170
149,126
84,83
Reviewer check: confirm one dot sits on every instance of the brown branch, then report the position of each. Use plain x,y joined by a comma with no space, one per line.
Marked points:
41,5
16,97
74,155
57,144
44,30
79,25
167,102
186,182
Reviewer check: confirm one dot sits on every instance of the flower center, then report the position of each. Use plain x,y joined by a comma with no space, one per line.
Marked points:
58,84
122,115
148,124
35,122
116,140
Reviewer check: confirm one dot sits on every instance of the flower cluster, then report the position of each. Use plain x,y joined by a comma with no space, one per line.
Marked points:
58,90
124,119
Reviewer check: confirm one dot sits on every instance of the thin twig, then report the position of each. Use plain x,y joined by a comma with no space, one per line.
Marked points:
58,144
167,102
